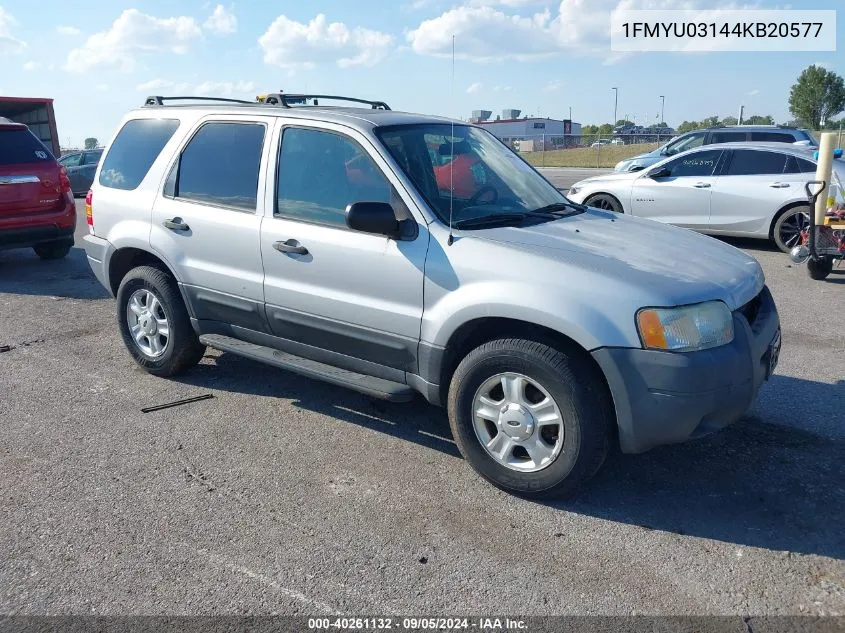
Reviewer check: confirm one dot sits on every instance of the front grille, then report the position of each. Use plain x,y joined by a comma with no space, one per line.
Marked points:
752,309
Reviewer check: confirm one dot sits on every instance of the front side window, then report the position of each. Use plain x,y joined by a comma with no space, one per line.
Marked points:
134,151
746,162
92,158
466,170
71,160
685,143
220,165
698,164
321,173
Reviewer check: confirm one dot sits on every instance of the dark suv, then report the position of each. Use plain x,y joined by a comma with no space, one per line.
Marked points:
36,204
710,136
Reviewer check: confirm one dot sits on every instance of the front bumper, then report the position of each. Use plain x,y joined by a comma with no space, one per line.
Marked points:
670,397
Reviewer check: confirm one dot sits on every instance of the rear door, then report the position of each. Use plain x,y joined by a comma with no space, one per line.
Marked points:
207,223
681,196
753,186
29,175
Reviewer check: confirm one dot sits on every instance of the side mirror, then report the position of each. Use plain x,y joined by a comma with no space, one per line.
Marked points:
373,217
660,172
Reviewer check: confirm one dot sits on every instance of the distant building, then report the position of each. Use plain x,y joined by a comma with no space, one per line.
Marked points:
533,133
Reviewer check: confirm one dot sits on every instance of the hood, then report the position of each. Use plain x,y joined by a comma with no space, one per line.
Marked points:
614,176
678,265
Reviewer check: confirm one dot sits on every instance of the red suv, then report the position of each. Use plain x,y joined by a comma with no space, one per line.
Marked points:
36,202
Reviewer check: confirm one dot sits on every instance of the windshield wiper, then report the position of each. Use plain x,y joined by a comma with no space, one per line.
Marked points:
499,219
561,208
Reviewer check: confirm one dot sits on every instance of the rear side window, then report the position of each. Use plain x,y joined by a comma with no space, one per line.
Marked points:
773,137
18,145
134,150
92,158
220,166
753,163
727,137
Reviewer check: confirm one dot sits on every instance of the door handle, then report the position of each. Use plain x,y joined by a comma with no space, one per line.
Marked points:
176,224
702,185
290,246
779,185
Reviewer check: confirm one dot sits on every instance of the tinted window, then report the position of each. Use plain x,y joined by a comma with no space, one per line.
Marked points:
746,162
698,164
20,146
71,160
321,173
220,165
805,166
134,150
773,137
92,158
727,137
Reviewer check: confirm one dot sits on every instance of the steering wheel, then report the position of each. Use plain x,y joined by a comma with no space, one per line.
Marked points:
480,194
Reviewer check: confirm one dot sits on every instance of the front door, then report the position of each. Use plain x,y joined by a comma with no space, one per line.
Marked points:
207,224
680,192
353,294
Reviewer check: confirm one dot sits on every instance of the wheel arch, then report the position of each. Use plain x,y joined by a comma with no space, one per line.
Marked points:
780,212
125,259
608,194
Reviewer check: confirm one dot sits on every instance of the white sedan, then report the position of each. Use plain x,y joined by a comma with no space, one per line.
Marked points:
738,189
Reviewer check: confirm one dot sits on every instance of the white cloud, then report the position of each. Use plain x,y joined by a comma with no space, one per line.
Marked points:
30,66
753,93
8,43
131,33
553,86
502,88
290,44
101,87
492,30
68,30
222,21
474,88
204,89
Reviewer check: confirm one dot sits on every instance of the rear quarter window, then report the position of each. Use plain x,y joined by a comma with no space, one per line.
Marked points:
774,137
134,150
18,146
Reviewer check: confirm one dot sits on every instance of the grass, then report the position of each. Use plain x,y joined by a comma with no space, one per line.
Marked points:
606,156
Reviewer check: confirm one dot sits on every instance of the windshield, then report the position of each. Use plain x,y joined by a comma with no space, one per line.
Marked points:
469,169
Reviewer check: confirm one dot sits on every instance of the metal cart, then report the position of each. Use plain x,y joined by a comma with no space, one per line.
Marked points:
821,244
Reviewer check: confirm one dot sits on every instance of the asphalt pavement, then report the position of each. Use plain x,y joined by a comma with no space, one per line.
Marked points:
564,177
285,495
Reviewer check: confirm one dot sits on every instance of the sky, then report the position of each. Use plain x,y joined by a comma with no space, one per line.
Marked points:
100,58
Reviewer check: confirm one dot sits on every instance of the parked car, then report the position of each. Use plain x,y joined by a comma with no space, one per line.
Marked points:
547,329
80,169
739,189
600,143
710,136
36,206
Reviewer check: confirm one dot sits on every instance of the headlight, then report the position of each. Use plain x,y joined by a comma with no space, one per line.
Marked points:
575,188
686,329
622,165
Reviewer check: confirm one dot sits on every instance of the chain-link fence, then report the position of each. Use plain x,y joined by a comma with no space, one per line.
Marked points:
587,150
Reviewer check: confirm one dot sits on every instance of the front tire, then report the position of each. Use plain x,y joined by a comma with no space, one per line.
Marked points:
605,202
531,419
154,322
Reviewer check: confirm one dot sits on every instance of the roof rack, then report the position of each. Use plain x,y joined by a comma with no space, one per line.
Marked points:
286,100
157,100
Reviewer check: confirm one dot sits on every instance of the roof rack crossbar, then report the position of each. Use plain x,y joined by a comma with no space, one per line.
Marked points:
284,99
158,100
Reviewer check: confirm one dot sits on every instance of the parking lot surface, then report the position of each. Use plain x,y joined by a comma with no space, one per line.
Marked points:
284,495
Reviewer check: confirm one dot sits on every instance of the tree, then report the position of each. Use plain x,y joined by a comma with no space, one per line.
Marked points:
91,142
817,96
623,122
760,120
688,126
605,129
729,120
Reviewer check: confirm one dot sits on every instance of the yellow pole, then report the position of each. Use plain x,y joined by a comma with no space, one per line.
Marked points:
824,171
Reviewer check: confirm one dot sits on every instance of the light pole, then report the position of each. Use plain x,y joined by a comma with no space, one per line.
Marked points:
570,113
615,103
662,107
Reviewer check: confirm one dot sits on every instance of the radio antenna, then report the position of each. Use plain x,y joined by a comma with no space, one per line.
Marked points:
452,147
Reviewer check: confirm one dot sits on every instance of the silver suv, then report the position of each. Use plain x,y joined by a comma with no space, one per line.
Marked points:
399,254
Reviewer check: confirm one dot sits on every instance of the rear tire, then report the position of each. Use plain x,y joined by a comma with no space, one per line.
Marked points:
53,250
786,233
820,268
149,304
604,201
567,388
